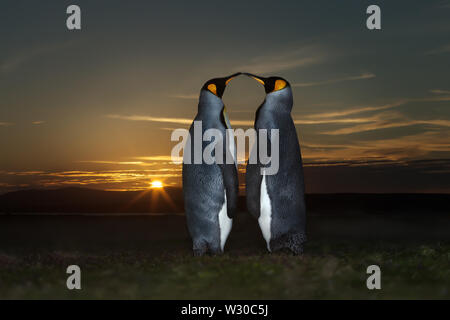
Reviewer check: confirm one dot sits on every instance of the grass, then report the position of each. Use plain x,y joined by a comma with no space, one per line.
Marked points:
328,270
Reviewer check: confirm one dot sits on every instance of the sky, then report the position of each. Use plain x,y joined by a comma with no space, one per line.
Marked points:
96,107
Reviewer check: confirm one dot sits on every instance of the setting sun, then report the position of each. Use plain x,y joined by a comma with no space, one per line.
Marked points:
156,184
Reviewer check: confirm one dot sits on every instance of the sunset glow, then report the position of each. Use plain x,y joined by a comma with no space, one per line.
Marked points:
365,122
156,184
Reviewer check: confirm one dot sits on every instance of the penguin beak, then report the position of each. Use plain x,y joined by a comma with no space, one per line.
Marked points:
217,85
259,79
229,78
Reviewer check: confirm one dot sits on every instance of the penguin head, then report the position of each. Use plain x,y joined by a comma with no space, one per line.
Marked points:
217,85
271,84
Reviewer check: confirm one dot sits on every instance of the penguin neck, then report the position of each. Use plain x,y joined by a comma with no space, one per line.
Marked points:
209,105
278,101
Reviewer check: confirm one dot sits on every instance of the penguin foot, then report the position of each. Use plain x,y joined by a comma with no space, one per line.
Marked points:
199,252
202,248
292,242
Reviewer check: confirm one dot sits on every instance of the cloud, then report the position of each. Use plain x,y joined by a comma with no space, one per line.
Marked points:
243,123
441,50
330,121
438,91
431,99
185,121
363,76
150,118
155,158
193,96
168,128
23,57
143,161
387,120
355,110
112,162
382,120
392,149
25,173
105,179
297,58
445,5
366,123
361,109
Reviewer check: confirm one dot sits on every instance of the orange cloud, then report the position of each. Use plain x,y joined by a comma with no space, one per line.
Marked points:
363,76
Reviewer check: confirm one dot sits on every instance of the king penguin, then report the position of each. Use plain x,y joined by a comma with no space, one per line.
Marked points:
210,190
277,200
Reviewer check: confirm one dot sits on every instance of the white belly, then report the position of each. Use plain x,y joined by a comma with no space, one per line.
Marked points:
265,216
225,223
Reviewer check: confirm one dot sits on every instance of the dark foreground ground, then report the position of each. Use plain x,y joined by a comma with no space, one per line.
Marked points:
149,257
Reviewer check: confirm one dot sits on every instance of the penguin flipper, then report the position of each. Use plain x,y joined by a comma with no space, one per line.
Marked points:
230,180
229,170
253,180
253,174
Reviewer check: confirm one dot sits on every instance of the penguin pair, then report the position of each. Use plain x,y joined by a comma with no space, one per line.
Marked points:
211,190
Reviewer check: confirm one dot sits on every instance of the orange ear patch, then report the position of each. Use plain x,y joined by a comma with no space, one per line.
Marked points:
212,87
279,84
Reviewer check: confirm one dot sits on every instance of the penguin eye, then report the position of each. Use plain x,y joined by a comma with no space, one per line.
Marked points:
279,84
212,87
